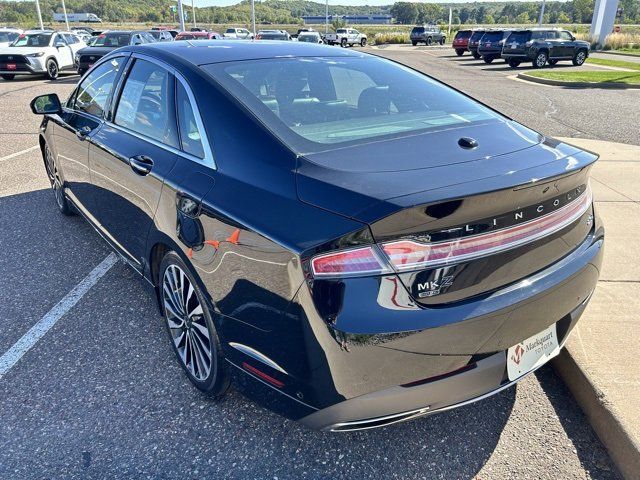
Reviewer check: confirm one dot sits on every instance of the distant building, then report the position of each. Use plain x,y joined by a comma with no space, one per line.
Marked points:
349,19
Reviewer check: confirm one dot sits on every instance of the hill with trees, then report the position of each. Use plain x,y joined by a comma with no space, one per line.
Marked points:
291,11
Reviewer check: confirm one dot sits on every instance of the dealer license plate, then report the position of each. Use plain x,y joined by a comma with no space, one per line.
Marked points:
532,352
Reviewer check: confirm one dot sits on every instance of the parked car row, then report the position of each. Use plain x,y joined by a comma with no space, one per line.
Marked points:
540,46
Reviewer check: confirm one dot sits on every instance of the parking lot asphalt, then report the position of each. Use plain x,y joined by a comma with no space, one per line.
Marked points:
101,396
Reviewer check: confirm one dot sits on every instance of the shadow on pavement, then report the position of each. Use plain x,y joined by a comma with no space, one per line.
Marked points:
594,459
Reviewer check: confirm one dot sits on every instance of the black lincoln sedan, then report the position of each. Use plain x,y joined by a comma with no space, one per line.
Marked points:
348,241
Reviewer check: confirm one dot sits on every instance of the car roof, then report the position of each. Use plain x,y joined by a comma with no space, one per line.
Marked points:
216,51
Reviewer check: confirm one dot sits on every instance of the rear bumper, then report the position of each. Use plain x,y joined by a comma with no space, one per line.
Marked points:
475,382
388,378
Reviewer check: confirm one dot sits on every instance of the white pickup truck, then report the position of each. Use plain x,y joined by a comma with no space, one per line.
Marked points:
346,36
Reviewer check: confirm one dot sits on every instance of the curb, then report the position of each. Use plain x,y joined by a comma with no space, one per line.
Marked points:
613,52
624,451
562,83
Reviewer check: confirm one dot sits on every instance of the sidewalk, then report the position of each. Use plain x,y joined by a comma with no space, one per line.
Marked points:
601,363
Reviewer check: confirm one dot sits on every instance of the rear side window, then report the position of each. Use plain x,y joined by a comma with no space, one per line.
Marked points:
94,91
190,137
146,103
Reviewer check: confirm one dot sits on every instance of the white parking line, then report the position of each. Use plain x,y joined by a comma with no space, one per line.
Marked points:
21,152
35,333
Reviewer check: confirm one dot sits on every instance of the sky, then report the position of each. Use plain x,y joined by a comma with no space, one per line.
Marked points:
210,3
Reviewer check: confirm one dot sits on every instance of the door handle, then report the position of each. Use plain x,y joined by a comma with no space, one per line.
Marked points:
83,132
141,164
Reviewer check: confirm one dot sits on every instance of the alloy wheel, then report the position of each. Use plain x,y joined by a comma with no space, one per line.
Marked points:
52,70
54,178
580,58
187,323
541,60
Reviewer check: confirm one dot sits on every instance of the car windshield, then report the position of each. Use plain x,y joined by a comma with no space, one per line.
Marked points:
8,36
341,30
308,38
311,102
463,34
113,40
155,33
273,36
33,40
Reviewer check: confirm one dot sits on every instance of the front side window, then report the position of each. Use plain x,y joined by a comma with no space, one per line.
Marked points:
565,36
146,103
310,102
94,91
190,137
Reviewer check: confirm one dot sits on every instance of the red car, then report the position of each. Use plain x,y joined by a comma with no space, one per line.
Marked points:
198,36
461,41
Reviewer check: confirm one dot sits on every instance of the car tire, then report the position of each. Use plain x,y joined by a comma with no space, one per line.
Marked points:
579,58
363,42
52,69
540,60
488,59
8,76
552,62
414,43
343,43
442,40
514,63
459,52
429,41
57,184
190,327
476,55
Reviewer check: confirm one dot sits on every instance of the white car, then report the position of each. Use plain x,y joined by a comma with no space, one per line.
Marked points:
39,52
8,36
238,33
310,37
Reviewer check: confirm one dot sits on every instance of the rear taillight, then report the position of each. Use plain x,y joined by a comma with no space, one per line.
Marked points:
410,255
404,255
359,261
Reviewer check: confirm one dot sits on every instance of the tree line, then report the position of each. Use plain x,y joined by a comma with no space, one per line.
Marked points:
291,11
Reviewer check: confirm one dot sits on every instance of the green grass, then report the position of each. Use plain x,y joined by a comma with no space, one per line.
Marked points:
613,63
629,78
629,51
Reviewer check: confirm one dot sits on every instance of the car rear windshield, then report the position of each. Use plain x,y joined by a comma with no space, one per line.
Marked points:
311,102
113,40
231,30
341,30
492,37
519,37
476,35
273,36
308,38
463,34
417,30
33,40
8,36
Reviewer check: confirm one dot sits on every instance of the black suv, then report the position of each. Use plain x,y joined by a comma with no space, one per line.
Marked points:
474,39
490,45
543,45
427,34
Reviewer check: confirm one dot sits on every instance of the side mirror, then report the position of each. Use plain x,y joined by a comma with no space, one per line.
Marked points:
137,42
46,104
60,44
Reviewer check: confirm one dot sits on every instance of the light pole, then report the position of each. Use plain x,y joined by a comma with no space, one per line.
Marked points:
64,10
541,14
326,17
181,15
193,11
253,17
39,14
